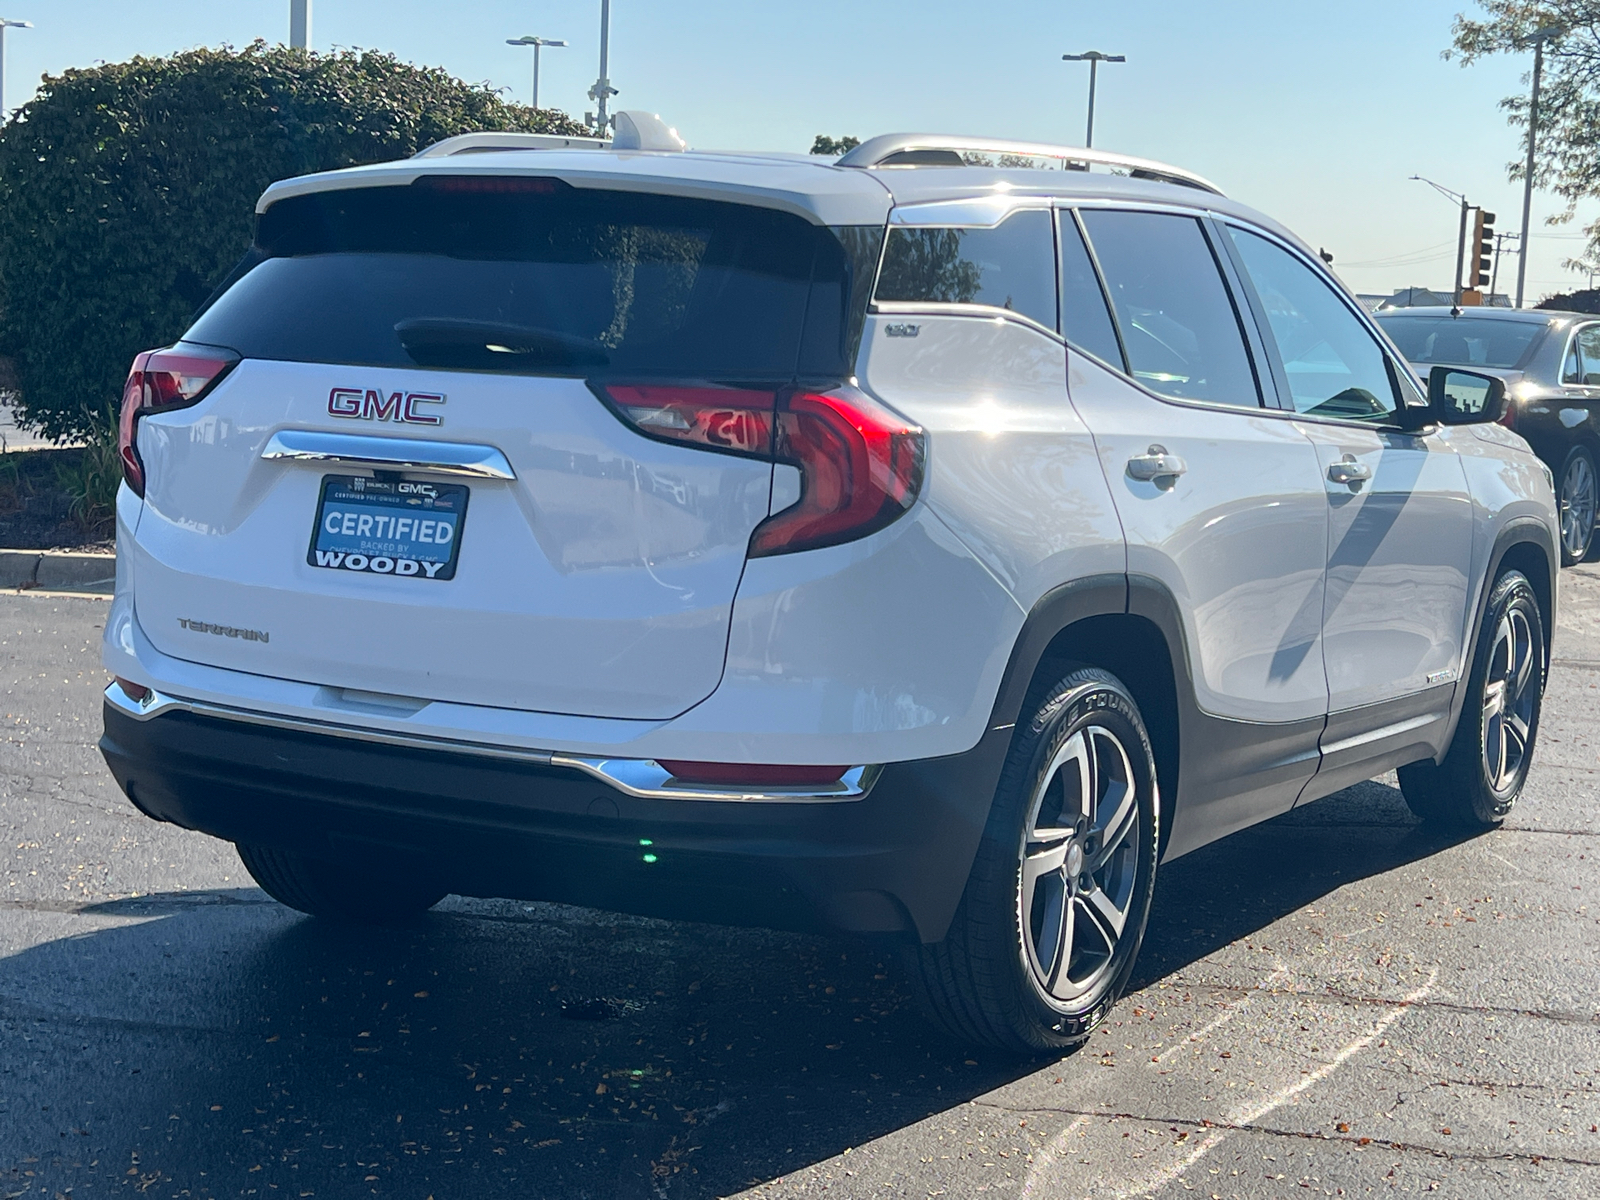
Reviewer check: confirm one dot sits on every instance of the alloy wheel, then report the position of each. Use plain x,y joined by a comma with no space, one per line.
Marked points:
1510,691
1079,864
1578,501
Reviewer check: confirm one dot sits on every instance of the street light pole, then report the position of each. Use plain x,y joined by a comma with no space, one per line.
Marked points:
1539,37
1461,236
300,24
536,43
602,91
5,24
1094,58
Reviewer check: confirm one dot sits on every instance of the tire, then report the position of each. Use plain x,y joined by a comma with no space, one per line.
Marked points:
1481,777
1577,498
1010,972
364,893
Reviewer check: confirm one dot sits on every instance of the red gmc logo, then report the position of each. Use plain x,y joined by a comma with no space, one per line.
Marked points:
372,405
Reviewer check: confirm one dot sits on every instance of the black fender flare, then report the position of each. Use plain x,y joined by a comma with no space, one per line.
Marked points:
1521,531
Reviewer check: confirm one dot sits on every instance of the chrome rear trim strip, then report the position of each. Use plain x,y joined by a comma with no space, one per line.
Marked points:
402,454
640,777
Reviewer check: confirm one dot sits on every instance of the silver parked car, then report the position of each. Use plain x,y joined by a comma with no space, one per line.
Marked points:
919,545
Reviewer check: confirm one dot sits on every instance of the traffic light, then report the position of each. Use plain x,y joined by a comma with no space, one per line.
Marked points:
1483,238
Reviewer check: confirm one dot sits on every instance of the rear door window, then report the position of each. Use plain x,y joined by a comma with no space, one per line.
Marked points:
1085,321
1178,321
1589,348
532,276
1011,266
1333,364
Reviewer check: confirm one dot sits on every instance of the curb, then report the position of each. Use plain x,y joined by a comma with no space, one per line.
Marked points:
57,569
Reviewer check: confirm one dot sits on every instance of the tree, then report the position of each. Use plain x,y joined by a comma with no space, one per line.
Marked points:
823,144
1568,152
127,192
1584,300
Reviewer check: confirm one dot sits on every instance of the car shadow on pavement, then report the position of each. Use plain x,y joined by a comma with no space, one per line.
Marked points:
219,1043
1230,889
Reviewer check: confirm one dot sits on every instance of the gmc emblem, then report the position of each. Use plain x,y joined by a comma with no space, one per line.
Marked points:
372,405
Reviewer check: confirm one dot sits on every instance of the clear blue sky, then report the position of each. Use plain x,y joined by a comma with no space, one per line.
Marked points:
1316,112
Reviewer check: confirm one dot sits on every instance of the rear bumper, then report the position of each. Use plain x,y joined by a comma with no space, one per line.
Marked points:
892,861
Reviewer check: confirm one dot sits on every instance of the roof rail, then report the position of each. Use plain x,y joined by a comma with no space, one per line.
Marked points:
480,143
945,150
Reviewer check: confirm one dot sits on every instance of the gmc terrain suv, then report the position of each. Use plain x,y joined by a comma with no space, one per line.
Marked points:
921,545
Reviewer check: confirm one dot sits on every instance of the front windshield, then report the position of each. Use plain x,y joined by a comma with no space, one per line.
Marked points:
1462,341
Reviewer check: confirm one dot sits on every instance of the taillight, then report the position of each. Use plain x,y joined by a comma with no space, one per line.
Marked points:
860,468
159,381
860,464
753,774
735,420
1508,418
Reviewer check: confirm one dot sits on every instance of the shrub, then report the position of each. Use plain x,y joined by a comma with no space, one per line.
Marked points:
127,192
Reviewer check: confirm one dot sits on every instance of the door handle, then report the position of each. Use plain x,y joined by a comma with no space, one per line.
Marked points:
1348,470
1155,463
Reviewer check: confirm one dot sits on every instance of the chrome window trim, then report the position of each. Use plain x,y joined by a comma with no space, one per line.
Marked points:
404,454
970,212
642,778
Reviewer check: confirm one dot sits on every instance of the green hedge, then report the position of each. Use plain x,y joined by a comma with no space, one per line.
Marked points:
128,191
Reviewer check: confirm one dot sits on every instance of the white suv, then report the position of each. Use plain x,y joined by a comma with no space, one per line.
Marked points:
904,545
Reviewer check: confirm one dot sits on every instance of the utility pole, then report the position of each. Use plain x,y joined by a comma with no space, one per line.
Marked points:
1500,240
1538,38
5,24
537,43
1094,58
300,24
602,91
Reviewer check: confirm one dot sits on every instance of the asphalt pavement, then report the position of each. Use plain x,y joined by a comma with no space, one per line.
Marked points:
1338,1002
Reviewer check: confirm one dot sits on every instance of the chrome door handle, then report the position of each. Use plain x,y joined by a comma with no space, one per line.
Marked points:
1348,470
1155,463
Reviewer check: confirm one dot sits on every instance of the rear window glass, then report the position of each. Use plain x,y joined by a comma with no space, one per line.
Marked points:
1010,266
554,281
1462,341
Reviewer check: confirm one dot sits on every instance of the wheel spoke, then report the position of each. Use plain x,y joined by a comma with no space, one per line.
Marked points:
1041,864
1116,804
1516,729
1108,919
1494,749
1522,668
1494,699
1063,950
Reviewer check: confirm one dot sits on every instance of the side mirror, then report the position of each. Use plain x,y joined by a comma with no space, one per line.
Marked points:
1460,397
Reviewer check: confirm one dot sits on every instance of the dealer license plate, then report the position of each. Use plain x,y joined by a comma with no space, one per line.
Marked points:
388,527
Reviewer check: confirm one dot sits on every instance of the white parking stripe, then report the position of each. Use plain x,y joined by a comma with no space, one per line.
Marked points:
1250,1114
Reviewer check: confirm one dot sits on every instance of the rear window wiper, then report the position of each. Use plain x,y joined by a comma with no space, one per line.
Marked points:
472,345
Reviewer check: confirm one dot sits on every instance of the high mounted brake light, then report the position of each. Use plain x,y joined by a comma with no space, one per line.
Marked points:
491,185
162,380
860,464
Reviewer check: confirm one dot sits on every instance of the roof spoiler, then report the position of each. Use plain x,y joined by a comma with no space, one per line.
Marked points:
635,130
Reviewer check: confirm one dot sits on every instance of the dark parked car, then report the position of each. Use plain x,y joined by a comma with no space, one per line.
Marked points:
1551,364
